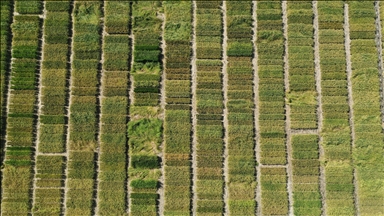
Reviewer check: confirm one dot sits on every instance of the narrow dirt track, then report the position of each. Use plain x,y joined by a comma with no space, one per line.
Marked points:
160,190
68,110
256,109
100,104
319,105
287,110
39,107
225,111
194,111
347,45
379,46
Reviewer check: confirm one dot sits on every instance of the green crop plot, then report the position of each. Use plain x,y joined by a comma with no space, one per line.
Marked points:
176,108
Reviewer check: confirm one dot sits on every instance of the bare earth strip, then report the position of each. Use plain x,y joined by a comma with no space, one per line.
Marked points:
130,101
39,106
194,111
287,109
379,46
319,105
100,104
68,110
256,111
225,110
347,42
160,191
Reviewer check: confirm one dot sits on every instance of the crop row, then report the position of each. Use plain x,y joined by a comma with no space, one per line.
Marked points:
18,175
146,66
270,47
302,95
6,10
369,142
336,139
145,130
177,121
209,104
83,107
52,138
49,183
114,109
240,105
274,196
305,172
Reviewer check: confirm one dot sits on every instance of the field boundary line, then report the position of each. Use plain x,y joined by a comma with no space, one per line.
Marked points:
130,101
38,105
225,110
347,42
69,98
194,111
287,109
160,190
322,181
256,114
6,99
379,46
99,104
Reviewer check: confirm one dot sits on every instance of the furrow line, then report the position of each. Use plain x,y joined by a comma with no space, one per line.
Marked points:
256,109
287,109
39,105
194,112
379,46
160,190
130,101
99,104
225,110
69,104
347,45
322,180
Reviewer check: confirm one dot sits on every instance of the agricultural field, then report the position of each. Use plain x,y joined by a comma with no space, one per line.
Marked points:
178,107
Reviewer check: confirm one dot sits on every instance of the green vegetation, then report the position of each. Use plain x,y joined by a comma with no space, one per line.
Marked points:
177,120
114,110
17,172
301,71
84,133
209,102
50,170
369,142
145,130
305,170
82,121
240,105
270,49
336,131
274,198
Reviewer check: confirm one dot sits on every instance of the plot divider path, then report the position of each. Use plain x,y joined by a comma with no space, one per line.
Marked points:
39,105
160,190
287,109
322,181
131,99
350,99
101,70
256,109
194,111
379,44
69,99
225,109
